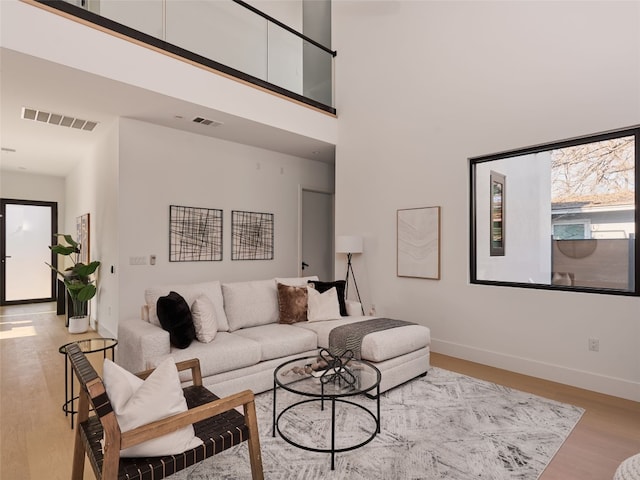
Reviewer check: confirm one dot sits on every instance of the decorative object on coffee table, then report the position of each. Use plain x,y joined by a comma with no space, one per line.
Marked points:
337,369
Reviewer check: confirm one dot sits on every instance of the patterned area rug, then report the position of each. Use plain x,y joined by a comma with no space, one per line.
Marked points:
442,426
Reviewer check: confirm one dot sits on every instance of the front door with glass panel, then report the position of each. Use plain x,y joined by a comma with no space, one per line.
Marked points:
27,232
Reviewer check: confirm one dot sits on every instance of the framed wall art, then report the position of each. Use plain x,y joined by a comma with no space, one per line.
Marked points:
82,227
419,242
496,211
195,234
251,235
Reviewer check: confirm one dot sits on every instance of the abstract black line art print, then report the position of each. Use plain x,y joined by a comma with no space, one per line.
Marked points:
251,236
195,234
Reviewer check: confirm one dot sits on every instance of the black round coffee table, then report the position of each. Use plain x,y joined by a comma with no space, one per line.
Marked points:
340,386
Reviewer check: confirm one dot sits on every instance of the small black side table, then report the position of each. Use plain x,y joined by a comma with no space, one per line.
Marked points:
89,345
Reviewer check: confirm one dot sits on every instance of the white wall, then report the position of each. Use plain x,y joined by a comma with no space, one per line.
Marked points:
422,87
105,226
527,220
159,167
29,186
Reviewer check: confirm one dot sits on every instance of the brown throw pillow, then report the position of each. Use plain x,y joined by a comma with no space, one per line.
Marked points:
292,302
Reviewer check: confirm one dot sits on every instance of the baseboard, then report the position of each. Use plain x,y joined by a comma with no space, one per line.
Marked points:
617,387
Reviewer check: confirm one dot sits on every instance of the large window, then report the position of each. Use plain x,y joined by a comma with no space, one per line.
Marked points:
568,215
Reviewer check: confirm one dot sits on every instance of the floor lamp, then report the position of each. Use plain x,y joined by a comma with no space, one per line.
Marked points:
350,244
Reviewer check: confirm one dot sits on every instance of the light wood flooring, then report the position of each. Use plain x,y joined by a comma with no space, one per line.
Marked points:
36,439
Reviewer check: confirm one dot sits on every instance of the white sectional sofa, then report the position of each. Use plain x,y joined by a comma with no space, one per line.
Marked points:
250,342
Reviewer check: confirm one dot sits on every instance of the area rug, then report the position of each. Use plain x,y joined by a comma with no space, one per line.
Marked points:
442,426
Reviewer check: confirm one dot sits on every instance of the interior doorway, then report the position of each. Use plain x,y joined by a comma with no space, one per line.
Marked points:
316,234
26,232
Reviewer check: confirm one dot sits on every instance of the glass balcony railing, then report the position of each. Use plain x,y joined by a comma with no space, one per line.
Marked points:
227,35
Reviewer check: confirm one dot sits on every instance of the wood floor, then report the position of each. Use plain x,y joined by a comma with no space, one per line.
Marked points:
36,439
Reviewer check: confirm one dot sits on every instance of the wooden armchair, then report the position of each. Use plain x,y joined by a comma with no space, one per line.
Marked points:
215,421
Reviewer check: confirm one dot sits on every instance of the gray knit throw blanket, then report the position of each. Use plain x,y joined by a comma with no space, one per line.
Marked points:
349,337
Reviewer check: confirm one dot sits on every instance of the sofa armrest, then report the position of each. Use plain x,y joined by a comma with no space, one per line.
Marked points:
140,343
354,309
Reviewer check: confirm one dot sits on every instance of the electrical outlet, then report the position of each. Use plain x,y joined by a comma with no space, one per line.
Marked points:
594,345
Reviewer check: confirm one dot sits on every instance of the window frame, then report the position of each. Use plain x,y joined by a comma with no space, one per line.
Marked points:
473,217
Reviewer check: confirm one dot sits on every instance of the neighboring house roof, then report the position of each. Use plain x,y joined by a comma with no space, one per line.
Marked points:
624,200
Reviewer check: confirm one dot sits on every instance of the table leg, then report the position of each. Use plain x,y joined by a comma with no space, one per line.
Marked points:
72,410
66,385
333,432
273,434
378,399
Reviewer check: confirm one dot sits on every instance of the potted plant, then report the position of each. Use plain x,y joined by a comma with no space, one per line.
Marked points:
78,282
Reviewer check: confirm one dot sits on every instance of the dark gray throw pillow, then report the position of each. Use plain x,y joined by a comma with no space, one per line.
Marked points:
340,288
175,317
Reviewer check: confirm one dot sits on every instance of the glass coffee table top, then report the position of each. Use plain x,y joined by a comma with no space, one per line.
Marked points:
305,376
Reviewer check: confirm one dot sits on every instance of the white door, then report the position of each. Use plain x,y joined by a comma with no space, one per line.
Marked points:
317,257
28,229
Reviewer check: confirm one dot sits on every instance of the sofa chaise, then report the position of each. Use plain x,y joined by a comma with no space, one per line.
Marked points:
251,341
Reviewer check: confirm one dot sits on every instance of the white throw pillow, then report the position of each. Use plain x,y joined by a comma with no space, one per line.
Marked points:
204,319
136,402
322,306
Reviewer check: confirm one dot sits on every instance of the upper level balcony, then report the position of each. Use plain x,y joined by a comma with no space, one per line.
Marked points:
283,51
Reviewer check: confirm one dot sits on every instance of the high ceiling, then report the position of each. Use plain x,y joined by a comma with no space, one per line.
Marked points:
38,147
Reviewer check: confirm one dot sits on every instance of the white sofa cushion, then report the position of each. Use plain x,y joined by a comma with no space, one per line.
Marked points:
190,292
278,340
249,304
377,346
224,353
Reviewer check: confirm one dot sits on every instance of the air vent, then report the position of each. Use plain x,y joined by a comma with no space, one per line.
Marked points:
206,121
57,119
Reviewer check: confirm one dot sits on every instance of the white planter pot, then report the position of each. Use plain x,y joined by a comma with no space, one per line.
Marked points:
79,324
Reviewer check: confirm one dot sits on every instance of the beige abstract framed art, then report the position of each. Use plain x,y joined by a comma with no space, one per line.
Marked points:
418,242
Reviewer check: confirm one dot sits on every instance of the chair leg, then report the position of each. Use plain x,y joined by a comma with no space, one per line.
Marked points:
255,455
77,472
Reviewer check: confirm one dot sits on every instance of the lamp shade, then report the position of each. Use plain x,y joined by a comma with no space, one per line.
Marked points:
349,244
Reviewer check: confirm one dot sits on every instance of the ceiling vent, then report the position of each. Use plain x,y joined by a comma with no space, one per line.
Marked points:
206,121
57,119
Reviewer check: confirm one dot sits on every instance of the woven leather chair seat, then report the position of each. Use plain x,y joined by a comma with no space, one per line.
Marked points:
218,433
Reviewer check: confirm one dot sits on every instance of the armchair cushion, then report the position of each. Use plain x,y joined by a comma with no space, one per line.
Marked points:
138,402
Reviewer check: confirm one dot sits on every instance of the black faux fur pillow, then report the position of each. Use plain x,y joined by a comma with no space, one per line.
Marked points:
175,317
